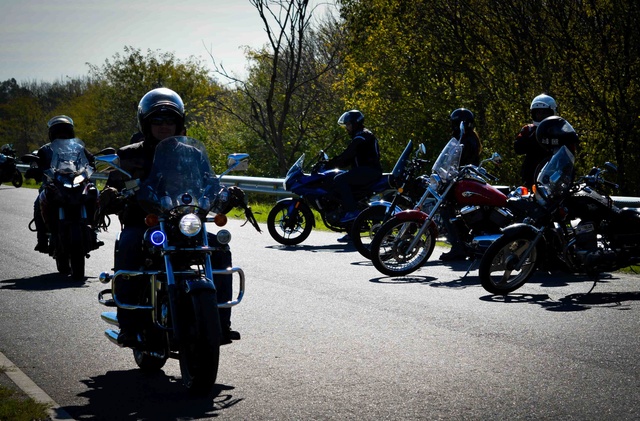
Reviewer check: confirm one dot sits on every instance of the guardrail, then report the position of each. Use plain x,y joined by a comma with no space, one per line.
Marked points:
274,186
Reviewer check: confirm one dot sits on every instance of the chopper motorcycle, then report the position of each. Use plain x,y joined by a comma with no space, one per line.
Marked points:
291,220
571,227
179,285
68,200
8,170
406,241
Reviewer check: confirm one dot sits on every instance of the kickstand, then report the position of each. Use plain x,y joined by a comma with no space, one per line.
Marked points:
471,267
595,281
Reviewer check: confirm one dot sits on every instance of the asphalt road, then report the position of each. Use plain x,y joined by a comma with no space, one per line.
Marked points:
325,336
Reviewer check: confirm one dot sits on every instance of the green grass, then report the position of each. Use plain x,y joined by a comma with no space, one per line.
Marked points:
16,406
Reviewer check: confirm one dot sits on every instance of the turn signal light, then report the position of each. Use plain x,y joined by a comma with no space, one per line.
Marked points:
151,220
220,219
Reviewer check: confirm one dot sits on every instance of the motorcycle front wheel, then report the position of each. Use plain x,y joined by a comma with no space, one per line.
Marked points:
391,251
200,347
365,227
498,273
290,226
17,179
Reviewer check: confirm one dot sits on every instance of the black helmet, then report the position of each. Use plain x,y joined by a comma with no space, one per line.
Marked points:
160,101
462,114
61,127
354,117
554,132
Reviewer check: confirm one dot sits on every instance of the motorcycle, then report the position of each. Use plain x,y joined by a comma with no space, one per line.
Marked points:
406,241
410,187
291,220
178,276
571,227
8,170
68,199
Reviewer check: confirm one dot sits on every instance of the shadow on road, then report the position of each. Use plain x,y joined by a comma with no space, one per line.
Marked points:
134,395
50,281
335,248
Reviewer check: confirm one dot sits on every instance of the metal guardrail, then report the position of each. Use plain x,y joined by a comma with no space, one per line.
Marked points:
274,186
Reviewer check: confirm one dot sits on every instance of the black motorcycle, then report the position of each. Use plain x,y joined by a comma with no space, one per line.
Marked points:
177,275
68,200
291,220
572,227
410,187
8,170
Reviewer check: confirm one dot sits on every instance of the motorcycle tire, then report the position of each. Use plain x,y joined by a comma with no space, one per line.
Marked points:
200,347
77,253
389,253
17,179
365,227
290,228
496,272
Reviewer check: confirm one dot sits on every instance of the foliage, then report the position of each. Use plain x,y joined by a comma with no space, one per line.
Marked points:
420,60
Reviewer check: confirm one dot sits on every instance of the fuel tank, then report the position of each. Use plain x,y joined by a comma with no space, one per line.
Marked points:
473,192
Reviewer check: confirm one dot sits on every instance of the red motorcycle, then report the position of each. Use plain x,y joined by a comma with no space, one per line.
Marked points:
406,241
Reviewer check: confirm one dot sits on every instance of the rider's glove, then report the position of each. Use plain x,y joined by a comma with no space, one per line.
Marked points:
110,201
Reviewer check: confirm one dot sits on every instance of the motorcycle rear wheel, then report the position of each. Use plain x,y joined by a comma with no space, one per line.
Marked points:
389,248
200,348
497,273
290,228
365,227
17,179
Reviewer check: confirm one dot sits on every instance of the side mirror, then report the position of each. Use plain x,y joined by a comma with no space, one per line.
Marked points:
496,158
237,162
107,151
611,167
107,163
422,149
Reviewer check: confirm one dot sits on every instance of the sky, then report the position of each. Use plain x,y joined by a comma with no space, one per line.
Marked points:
52,40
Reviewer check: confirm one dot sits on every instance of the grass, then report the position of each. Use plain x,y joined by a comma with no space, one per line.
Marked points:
17,406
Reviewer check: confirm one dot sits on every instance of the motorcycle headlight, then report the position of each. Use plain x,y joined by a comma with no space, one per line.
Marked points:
223,237
434,182
190,225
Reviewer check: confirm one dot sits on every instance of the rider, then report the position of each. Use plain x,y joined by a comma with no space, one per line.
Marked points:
363,156
542,106
160,115
60,128
470,156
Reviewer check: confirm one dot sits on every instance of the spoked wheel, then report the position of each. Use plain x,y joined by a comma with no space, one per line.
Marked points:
290,226
392,252
498,270
200,348
365,227
17,179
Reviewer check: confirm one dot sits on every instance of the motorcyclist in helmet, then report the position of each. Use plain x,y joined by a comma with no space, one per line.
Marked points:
160,115
60,128
470,140
542,106
362,155
470,156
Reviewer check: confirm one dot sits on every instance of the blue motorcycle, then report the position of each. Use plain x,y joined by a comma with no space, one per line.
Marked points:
291,220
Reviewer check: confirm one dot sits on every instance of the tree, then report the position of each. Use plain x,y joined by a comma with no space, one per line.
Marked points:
287,95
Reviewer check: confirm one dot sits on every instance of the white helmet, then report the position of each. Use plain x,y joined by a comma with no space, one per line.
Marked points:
542,106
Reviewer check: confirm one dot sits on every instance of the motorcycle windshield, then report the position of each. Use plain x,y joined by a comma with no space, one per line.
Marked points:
557,174
297,167
69,158
446,166
181,176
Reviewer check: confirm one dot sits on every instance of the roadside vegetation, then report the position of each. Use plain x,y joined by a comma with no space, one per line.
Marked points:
17,406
